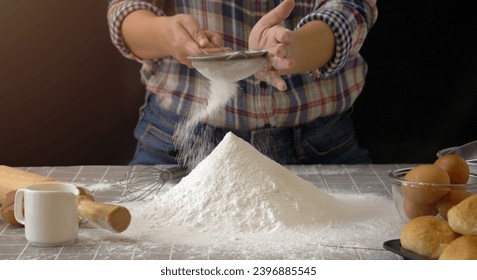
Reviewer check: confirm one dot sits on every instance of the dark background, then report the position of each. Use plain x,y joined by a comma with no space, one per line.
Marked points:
421,91
67,97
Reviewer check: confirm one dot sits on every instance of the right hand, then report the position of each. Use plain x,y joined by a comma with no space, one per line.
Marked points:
186,38
269,34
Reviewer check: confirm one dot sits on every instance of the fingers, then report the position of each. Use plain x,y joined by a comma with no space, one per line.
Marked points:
277,81
283,35
278,14
202,39
281,50
270,75
273,78
214,38
282,63
280,53
215,43
183,39
188,39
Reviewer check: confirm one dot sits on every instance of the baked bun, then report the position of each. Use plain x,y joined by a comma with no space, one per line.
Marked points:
462,217
427,235
463,248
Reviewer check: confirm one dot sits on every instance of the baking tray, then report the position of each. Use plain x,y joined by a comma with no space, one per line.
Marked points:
395,247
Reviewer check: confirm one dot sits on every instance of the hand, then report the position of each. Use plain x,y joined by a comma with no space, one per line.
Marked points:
185,38
268,34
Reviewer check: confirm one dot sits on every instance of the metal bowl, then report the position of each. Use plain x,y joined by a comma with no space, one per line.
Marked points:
467,151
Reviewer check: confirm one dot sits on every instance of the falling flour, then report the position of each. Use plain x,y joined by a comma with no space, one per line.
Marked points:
195,147
237,194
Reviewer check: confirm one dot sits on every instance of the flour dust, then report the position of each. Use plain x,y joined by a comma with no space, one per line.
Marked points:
196,143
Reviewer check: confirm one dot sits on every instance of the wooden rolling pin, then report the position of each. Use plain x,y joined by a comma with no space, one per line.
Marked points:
114,218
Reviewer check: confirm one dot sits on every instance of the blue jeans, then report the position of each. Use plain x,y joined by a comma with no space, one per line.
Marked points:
327,140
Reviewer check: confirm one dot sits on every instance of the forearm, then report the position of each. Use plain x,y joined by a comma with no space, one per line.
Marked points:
349,21
312,47
152,36
141,31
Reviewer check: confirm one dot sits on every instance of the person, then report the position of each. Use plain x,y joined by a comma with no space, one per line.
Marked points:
296,109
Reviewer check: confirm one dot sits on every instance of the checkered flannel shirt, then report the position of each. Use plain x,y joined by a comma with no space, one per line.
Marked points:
329,90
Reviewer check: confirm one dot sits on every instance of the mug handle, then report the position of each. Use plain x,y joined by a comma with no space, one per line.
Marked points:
18,206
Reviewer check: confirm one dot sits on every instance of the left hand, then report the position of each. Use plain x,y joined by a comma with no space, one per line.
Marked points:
268,34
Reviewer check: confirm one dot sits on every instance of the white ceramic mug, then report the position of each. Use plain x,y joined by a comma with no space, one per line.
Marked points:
49,212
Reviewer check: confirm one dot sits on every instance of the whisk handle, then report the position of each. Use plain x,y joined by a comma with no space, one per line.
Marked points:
176,172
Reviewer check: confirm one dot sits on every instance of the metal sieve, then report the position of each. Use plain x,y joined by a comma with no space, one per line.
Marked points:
229,66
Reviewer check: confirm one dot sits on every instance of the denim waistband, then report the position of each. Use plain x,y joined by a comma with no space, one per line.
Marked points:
324,140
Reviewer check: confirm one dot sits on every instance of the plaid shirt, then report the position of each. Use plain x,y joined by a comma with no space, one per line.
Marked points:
325,91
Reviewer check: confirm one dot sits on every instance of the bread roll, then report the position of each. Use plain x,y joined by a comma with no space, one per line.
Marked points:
463,248
453,197
427,235
462,217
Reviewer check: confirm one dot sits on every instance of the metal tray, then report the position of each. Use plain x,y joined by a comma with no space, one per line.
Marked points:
228,55
395,247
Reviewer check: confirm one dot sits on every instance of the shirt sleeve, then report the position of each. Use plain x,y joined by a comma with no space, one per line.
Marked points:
350,21
117,12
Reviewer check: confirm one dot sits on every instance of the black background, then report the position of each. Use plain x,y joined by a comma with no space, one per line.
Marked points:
421,90
68,97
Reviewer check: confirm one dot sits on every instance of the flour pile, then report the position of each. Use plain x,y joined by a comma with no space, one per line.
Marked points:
236,189
236,194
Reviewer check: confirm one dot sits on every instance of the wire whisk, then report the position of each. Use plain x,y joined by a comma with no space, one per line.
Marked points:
142,182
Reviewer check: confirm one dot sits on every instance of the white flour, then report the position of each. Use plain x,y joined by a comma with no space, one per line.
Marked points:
223,86
194,148
230,70
238,195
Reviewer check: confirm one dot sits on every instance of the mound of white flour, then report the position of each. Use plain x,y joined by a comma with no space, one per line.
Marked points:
236,193
238,189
